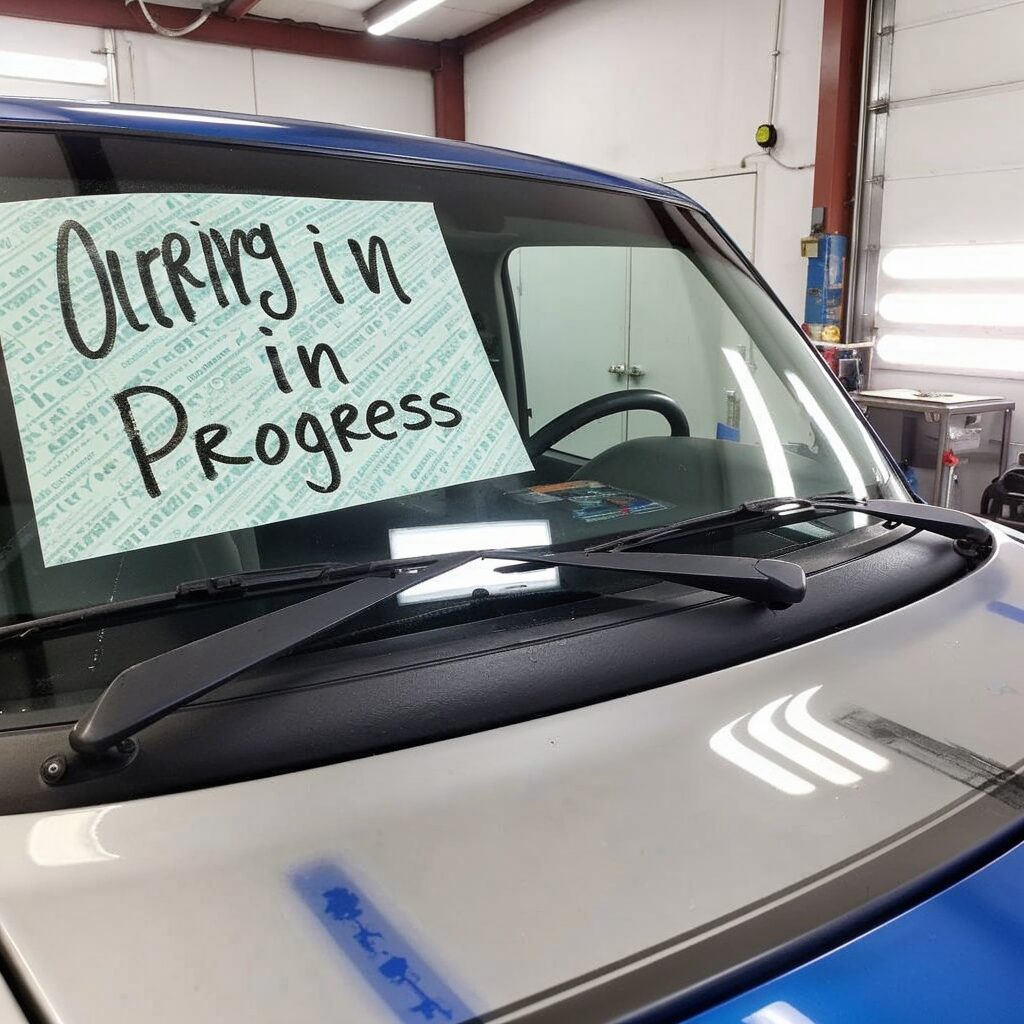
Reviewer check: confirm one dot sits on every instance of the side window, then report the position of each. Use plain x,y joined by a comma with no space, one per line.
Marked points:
594,320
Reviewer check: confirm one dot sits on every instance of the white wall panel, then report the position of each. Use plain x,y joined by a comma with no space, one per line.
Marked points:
50,40
338,91
183,73
667,89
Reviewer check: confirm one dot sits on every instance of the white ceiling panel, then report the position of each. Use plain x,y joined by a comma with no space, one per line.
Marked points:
453,18
319,12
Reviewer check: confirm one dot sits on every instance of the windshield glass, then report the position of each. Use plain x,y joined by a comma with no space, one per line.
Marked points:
481,308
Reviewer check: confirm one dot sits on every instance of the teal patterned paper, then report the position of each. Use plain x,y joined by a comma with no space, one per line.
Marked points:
187,364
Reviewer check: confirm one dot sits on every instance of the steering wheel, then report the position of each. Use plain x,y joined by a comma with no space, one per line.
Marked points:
607,405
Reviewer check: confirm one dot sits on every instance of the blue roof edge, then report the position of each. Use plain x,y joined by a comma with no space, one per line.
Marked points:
179,122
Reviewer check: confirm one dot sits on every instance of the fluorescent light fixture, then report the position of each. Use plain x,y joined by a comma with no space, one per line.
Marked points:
827,428
386,17
1004,309
774,455
997,355
411,542
955,262
37,68
152,114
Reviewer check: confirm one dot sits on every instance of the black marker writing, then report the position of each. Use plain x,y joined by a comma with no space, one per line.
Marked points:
328,437
310,363
371,273
145,458
325,270
67,306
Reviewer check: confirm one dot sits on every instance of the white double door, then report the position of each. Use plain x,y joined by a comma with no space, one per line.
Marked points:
598,319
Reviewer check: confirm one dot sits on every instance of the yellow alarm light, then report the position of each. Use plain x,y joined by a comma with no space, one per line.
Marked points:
766,136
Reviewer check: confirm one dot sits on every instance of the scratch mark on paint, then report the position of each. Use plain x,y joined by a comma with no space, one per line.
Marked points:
396,972
955,762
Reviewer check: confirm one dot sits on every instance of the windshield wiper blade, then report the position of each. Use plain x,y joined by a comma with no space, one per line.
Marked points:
944,522
150,690
974,537
229,585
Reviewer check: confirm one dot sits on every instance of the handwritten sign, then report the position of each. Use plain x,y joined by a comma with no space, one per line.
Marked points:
187,364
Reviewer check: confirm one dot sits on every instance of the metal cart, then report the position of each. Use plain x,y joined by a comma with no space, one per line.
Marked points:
935,408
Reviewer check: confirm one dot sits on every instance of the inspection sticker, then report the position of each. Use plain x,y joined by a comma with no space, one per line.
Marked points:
186,364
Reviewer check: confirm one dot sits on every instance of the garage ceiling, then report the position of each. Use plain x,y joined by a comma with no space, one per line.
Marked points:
453,18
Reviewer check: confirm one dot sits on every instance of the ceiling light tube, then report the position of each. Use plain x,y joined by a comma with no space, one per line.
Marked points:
389,14
999,262
978,309
995,355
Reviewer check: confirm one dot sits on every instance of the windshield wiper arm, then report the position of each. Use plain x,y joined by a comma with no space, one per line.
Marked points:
144,693
768,581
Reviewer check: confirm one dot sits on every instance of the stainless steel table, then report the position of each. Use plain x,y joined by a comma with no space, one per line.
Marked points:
941,408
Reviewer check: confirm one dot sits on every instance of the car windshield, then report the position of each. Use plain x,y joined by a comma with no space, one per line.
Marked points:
220,359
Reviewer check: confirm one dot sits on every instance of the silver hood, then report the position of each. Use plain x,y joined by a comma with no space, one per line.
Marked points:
468,876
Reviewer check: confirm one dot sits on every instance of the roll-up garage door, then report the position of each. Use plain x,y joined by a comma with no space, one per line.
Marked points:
940,286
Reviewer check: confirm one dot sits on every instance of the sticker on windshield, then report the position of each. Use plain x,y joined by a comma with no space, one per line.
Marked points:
590,500
187,364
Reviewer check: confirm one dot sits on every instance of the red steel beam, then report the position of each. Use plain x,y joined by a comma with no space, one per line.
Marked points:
258,33
237,8
519,18
842,64
450,96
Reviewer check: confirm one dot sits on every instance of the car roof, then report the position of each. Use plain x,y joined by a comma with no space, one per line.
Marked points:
256,129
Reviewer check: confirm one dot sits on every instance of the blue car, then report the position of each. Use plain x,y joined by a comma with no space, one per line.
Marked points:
443,584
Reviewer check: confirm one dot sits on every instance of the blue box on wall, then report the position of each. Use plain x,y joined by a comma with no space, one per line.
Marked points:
824,302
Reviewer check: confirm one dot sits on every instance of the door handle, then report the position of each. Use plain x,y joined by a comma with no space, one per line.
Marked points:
618,369
636,371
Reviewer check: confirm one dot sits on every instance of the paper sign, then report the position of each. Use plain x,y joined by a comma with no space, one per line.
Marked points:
187,364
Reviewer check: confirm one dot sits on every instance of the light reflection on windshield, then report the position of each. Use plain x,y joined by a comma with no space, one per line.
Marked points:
476,576
774,456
